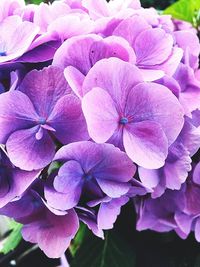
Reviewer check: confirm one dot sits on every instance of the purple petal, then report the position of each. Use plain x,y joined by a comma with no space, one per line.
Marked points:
114,166
97,9
21,180
109,211
41,53
68,121
146,144
112,188
74,24
189,42
112,46
196,174
150,75
88,218
171,64
192,199
115,76
44,88
184,222
149,178
15,115
69,177
54,234
81,152
18,36
190,137
177,167
197,230
69,182
75,80
129,31
75,52
101,125
150,101
172,175
152,47
28,153
55,200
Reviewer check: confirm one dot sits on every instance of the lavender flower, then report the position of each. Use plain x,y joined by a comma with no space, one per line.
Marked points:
13,181
94,170
99,106
52,232
29,125
16,37
137,115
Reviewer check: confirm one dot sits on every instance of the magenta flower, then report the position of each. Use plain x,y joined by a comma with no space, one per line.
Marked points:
121,109
45,110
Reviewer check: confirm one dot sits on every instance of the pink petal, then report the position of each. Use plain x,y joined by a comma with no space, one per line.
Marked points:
100,113
115,76
128,30
75,80
146,144
152,47
155,102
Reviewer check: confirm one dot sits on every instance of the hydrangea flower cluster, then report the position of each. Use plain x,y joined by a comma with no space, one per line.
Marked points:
99,105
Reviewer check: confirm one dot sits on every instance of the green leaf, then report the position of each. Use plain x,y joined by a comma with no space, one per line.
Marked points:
13,239
37,2
114,251
184,10
53,167
78,240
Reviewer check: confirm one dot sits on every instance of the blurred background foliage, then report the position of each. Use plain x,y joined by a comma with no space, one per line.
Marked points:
159,4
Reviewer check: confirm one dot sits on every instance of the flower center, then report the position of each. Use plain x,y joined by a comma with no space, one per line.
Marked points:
88,177
42,121
3,53
123,121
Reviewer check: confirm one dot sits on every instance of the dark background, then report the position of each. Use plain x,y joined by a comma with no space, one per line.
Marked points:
159,4
151,249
